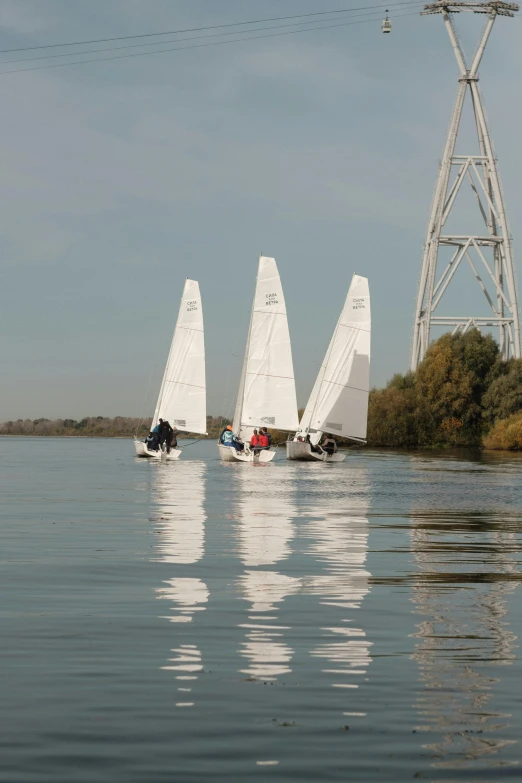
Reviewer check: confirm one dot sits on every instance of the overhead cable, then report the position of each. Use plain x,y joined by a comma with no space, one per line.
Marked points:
193,46
195,38
202,29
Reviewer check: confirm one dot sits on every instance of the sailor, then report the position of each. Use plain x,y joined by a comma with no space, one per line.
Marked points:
171,441
263,442
164,432
313,448
152,441
254,440
227,436
329,445
157,427
238,444
265,431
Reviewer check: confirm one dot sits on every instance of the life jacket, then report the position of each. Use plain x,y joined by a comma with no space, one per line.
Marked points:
254,440
227,438
263,441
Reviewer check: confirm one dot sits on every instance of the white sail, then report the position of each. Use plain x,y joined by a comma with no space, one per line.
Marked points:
267,394
339,400
182,397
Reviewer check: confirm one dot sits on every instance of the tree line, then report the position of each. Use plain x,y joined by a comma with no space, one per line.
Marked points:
96,427
462,395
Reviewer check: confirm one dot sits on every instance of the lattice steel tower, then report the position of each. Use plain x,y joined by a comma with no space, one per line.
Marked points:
489,250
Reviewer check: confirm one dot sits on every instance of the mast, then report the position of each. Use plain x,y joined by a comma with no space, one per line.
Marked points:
238,410
162,387
316,389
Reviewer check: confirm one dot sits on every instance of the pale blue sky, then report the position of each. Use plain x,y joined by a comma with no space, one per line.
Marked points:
120,179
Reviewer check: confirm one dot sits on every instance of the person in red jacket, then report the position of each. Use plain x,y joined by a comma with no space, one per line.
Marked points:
263,442
254,440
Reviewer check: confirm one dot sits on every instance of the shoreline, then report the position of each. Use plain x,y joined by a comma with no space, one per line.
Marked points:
427,450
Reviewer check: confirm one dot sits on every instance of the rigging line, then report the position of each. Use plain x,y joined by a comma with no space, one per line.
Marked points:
197,440
182,383
183,40
196,46
202,29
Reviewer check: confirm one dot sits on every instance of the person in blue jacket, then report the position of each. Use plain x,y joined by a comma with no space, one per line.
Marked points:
227,438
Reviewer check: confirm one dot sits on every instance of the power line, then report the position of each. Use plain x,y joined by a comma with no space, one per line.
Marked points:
202,29
194,46
195,38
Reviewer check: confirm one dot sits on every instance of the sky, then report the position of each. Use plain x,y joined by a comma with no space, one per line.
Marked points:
120,179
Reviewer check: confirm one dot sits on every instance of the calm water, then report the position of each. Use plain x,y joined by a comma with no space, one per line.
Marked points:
205,621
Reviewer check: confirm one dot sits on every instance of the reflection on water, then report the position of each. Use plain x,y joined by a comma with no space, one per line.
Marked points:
466,571
266,517
179,495
337,540
302,541
266,514
188,595
134,593
340,541
265,650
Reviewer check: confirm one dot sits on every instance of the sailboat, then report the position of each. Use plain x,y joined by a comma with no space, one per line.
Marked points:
182,396
338,403
266,395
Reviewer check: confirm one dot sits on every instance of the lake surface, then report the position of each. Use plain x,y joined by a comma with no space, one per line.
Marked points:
202,620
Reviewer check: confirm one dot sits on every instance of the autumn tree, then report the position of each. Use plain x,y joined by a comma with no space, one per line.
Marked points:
504,395
392,414
450,384
505,434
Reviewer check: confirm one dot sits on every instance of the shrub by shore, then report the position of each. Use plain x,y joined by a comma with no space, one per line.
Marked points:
505,434
462,395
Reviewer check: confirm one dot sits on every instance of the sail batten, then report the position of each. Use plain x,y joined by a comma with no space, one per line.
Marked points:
339,400
182,397
267,395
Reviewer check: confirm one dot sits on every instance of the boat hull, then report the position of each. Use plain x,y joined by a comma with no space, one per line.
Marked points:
299,450
142,451
229,454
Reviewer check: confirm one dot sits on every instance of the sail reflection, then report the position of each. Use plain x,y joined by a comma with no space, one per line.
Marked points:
339,540
179,495
265,531
266,516
267,654
463,637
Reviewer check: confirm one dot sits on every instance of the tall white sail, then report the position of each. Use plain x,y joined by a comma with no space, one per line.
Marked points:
339,400
267,394
182,397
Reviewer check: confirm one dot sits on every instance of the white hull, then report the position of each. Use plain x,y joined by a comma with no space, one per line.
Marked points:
299,450
142,451
229,454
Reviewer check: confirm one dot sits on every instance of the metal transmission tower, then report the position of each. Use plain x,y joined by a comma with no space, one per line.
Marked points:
490,250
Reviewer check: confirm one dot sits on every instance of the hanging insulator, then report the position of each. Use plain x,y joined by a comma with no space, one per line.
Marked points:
386,25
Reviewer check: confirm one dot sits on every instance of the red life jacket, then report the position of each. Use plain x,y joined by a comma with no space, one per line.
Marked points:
263,441
254,440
